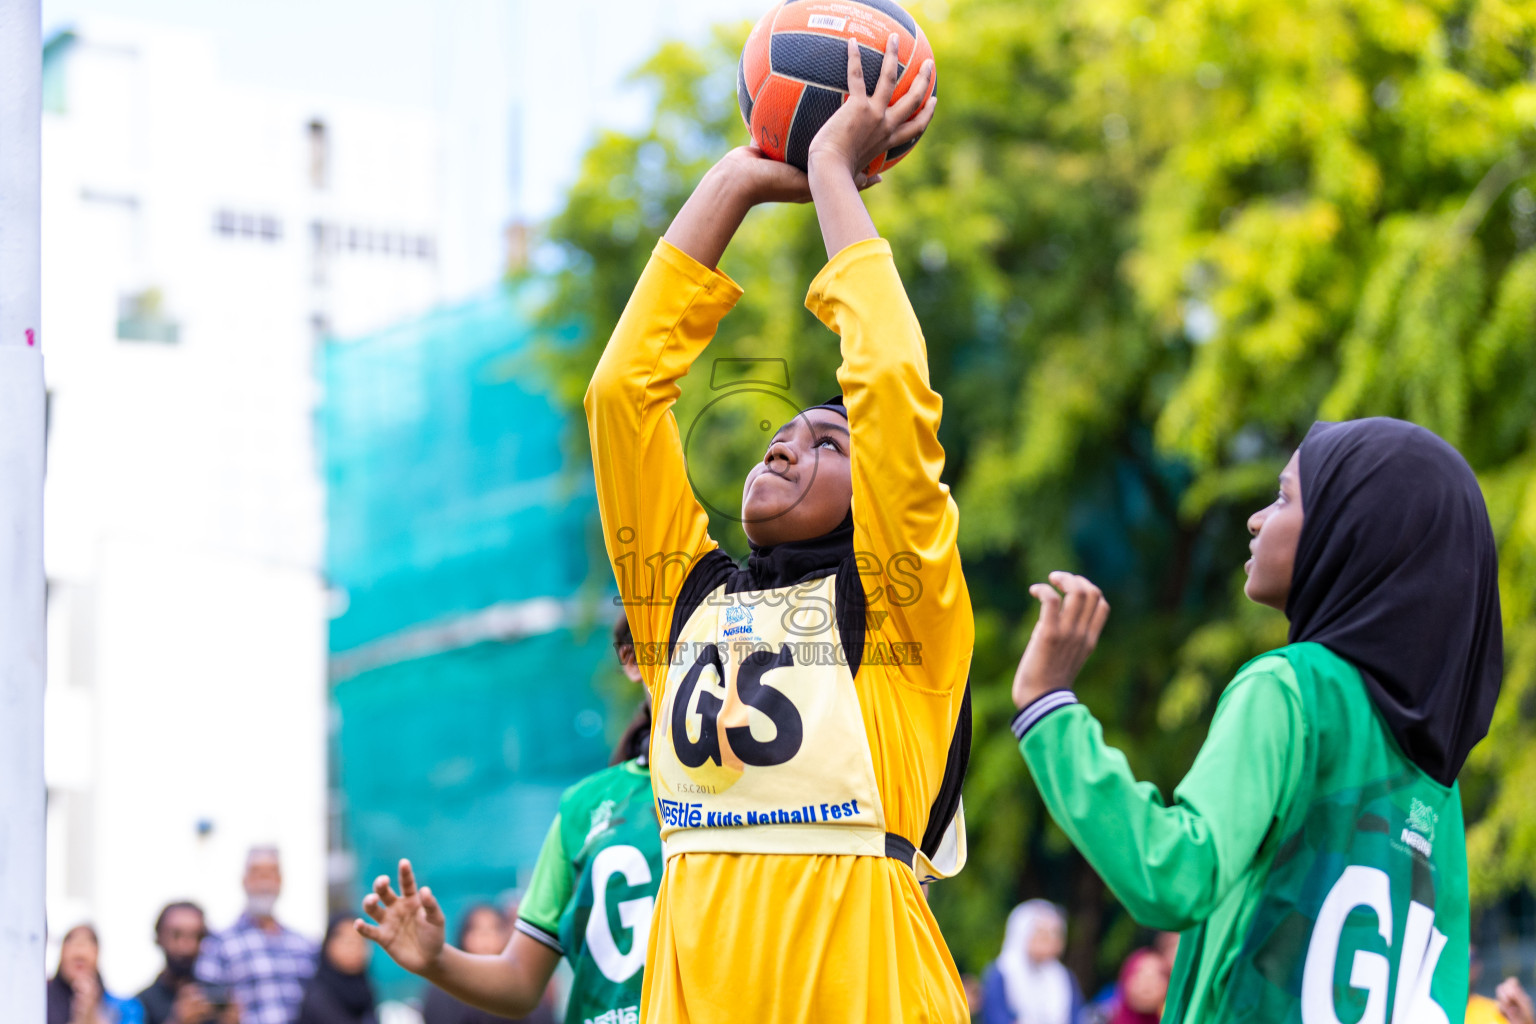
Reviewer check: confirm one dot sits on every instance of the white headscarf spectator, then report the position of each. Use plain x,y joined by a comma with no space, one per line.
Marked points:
1028,984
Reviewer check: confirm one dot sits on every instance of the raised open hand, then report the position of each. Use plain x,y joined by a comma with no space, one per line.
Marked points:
869,124
410,924
1072,615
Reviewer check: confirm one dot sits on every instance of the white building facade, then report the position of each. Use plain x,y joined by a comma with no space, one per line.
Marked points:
200,238
201,235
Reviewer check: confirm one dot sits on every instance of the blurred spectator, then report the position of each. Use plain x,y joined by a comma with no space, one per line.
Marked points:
1167,946
263,964
339,993
975,995
174,997
1143,988
1480,1009
1027,983
76,994
483,932
1515,1003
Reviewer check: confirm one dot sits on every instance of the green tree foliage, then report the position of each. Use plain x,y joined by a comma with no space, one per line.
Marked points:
1150,241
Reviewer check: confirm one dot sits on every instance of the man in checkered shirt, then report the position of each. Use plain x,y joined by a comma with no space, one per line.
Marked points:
264,965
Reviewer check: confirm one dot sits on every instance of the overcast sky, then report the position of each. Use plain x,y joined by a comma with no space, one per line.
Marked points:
566,57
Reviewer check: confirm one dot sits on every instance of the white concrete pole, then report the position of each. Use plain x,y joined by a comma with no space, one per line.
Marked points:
22,916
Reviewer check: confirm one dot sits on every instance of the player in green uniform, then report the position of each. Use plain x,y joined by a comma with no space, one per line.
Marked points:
590,899
1314,856
593,890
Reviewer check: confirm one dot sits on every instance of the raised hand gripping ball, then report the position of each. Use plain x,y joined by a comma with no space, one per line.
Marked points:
794,70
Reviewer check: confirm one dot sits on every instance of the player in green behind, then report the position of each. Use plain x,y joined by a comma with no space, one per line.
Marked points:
590,899
1314,856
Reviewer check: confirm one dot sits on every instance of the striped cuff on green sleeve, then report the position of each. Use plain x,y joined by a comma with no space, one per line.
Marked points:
1037,709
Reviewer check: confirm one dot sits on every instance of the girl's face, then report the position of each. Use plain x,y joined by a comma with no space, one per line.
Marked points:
1276,533
629,662
804,484
1046,942
485,934
348,951
1146,987
77,956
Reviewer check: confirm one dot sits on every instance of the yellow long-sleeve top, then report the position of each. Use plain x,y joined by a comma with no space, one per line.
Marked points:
780,774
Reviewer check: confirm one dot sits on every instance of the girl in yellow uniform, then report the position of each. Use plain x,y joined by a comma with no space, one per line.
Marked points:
810,729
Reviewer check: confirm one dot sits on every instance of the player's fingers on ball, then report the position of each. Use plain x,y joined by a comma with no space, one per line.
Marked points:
924,117
899,114
903,109
383,892
888,68
913,128
855,68
906,132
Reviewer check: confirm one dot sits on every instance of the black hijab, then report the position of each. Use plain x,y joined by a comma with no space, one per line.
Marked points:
61,1000
334,997
784,565
61,994
1396,572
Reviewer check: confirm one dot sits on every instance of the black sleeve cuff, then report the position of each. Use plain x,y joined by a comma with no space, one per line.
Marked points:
1038,708
539,935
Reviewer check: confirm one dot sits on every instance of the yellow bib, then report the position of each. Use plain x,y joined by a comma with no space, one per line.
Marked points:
758,744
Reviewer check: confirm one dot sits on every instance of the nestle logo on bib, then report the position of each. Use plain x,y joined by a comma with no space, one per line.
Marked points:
738,621
1420,833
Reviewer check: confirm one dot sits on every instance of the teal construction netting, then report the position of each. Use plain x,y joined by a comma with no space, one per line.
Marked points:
468,671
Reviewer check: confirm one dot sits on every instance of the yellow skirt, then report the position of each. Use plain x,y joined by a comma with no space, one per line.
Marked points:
796,939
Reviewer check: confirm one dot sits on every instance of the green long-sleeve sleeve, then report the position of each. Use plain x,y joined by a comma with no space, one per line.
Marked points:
1171,865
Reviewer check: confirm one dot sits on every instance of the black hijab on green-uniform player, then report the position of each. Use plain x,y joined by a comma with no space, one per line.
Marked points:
1397,572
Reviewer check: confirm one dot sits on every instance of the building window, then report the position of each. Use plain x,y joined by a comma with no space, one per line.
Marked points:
335,238
245,224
